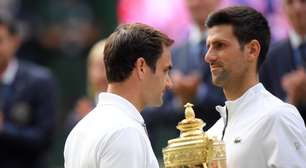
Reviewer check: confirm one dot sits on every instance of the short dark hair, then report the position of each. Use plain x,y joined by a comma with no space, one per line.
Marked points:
128,43
10,24
248,24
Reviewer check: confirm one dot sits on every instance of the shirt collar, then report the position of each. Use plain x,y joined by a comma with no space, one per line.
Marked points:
10,72
233,105
127,107
295,39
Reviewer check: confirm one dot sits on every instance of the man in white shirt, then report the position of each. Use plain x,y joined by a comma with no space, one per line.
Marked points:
137,60
259,130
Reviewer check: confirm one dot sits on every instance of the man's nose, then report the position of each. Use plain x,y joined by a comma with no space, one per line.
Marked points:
169,82
208,57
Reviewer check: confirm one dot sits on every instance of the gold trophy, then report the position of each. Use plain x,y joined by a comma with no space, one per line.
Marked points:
194,149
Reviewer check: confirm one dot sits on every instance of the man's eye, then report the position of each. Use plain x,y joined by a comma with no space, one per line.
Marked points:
219,45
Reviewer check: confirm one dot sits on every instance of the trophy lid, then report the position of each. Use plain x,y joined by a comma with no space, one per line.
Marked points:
190,126
191,129
193,145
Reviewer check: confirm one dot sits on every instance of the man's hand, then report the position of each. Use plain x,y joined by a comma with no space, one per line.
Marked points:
294,83
185,86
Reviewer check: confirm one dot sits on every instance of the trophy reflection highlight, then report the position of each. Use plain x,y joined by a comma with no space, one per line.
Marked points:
194,149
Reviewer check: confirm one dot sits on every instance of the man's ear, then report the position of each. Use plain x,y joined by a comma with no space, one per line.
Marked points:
140,67
253,49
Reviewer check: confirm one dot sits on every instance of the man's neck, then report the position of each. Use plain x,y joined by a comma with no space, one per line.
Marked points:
2,70
126,92
236,89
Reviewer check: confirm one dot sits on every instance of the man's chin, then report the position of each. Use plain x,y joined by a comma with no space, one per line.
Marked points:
157,104
217,83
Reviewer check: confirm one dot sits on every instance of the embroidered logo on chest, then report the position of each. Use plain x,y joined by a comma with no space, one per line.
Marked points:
237,140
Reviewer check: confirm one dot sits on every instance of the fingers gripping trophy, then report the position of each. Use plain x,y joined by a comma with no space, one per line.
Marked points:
194,149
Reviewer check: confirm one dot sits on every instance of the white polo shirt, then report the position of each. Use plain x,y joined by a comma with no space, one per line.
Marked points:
262,132
111,136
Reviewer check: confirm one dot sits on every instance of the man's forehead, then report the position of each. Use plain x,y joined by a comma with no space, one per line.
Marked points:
219,32
165,55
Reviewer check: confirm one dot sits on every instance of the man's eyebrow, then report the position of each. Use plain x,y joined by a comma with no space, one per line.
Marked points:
218,41
214,41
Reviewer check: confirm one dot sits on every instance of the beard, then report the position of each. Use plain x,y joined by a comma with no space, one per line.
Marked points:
155,101
158,102
219,78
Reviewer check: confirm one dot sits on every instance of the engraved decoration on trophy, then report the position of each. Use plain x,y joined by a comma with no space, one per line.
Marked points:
194,149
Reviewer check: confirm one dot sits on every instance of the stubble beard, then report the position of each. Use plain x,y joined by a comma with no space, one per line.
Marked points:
157,102
220,79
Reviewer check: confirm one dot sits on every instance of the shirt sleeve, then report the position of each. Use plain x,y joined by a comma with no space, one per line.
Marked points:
216,130
126,148
284,141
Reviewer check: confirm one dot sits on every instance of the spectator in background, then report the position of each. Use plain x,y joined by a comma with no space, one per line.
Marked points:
96,75
61,33
283,73
27,105
191,75
96,83
191,82
68,26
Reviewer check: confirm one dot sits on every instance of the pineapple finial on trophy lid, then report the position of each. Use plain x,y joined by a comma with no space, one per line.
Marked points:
189,113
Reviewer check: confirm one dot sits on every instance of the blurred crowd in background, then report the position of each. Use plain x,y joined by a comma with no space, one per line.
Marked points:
65,39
